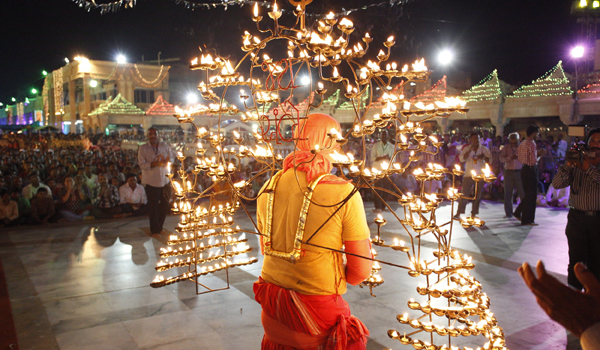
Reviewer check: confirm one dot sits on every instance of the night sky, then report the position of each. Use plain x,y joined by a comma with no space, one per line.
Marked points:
521,38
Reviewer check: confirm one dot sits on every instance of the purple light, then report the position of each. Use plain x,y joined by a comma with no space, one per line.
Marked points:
577,51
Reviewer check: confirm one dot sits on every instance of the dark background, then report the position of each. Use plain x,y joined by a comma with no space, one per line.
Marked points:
522,39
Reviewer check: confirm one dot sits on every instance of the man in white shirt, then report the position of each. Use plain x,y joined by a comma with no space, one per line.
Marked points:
382,153
133,197
90,179
558,197
153,158
34,183
474,156
562,146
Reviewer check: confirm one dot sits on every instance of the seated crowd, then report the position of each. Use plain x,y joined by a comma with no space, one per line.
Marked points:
97,179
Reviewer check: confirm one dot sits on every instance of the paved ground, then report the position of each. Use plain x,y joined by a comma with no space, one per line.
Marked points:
87,287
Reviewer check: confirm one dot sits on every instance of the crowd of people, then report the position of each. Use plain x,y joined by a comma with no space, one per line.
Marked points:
45,178
464,150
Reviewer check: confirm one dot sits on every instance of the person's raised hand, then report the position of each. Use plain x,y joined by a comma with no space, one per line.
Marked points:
574,310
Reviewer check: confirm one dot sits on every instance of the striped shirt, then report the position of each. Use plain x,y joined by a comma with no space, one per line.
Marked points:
466,156
527,153
506,154
585,186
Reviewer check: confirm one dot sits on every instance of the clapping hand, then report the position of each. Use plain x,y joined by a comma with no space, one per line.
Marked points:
574,310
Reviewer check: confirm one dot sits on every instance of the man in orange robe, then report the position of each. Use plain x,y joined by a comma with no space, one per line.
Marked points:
301,295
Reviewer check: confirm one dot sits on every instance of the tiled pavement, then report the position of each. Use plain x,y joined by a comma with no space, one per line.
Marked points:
87,287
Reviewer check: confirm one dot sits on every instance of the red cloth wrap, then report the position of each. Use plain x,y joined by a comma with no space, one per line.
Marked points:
310,133
295,321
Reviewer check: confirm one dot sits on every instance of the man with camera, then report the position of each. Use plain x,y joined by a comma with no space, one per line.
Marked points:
582,172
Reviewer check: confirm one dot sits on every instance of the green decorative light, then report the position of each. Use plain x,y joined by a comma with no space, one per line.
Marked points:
349,106
44,73
333,99
13,99
486,90
553,83
118,105
34,91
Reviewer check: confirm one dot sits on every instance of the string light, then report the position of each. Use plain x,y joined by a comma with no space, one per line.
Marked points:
59,103
486,90
118,105
45,92
590,89
161,107
150,83
552,83
436,93
111,7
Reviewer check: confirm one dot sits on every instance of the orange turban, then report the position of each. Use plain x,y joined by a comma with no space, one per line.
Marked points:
310,133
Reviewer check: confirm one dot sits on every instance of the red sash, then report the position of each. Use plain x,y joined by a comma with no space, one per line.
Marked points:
310,322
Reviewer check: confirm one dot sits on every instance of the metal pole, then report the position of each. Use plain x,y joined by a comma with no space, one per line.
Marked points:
576,104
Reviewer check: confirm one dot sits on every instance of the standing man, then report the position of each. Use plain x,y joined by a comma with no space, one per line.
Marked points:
528,156
486,141
382,151
562,146
512,172
474,156
584,215
153,158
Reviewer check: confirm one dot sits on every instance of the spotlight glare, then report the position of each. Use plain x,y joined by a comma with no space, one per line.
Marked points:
577,51
192,97
445,57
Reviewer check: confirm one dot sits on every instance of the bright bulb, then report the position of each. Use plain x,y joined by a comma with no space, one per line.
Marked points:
305,80
577,51
121,59
192,98
93,83
445,57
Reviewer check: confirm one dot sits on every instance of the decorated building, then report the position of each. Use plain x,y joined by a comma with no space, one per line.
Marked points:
548,102
72,92
116,112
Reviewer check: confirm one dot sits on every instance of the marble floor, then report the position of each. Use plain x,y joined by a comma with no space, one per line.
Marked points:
86,286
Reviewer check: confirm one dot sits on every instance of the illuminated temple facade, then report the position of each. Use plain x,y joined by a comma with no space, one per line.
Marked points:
99,96
73,94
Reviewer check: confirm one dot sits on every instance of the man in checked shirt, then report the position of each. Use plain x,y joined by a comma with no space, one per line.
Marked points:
583,221
529,157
